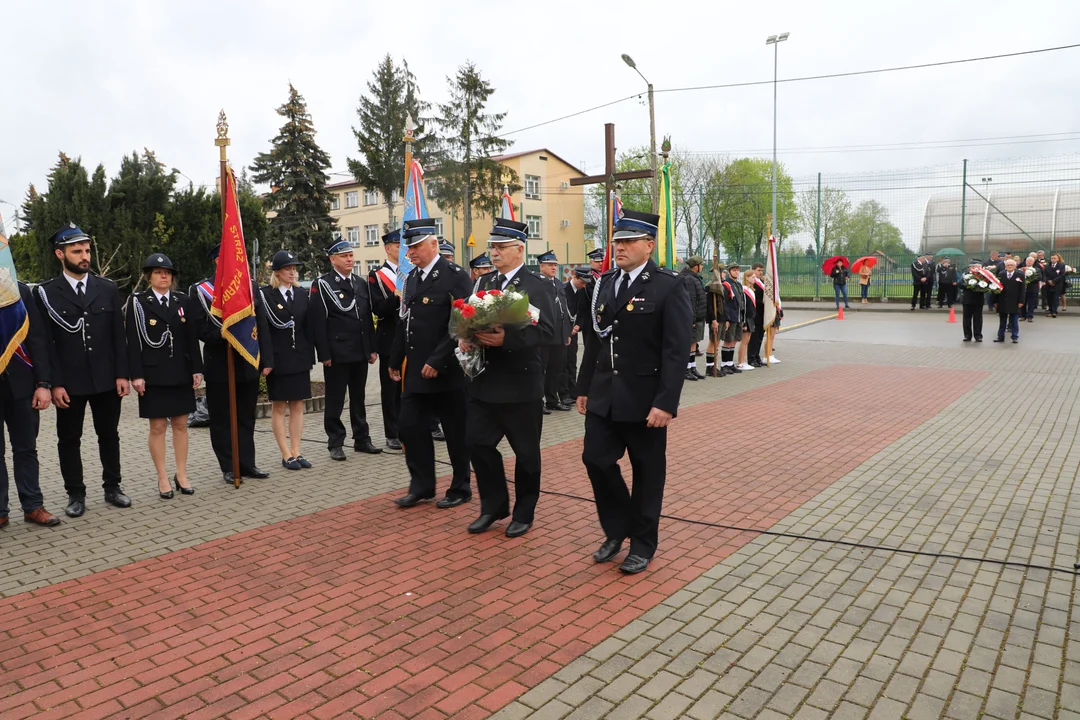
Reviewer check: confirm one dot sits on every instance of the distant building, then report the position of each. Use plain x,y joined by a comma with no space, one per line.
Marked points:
1007,221
554,212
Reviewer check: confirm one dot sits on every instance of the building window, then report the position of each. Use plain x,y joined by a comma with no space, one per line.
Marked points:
533,260
373,265
532,187
371,235
335,202
534,225
438,227
395,195
351,199
353,235
371,197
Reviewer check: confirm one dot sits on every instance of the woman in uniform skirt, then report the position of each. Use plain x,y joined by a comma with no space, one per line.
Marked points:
289,383
165,366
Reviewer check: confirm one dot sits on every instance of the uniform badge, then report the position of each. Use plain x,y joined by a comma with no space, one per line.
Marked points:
153,321
630,307
426,301
280,307
341,295
601,308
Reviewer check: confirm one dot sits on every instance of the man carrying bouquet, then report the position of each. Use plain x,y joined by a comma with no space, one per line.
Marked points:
972,301
506,398
434,386
628,390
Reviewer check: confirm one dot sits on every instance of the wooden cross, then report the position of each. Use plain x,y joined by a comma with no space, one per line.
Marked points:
610,177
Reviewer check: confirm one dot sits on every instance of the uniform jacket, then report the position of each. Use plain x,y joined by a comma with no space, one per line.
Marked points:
946,276
641,364
563,324
759,308
695,290
920,270
173,363
293,349
971,297
515,372
385,305
1012,294
423,336
215,347
1055,274
584,299
23,378
342,336
89,361
734,301
573,302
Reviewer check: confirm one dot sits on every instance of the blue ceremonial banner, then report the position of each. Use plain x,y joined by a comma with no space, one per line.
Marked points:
14,322
415,207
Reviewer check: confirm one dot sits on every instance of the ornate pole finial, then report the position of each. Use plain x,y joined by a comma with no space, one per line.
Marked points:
222,140
410,128
665,147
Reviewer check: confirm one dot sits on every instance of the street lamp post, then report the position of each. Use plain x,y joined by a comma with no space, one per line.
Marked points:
652,132
775,41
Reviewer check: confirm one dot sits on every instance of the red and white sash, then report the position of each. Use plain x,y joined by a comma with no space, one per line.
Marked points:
750,294
388,277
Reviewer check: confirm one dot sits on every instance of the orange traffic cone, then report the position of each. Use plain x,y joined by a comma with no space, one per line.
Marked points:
952,315
839,313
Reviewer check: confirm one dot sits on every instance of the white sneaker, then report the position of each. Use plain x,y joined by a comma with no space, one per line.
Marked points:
745,366
773,360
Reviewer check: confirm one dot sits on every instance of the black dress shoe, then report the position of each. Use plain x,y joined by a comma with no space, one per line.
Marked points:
699,375
546,409
393,444
690,376
367,447
255,473
517,529
183,490
168,495
978,339
633,564
117,498
608,550
967,339
734,370
228,478
76,506
411,500
1016,340
563,407
569,401
337,453
451,502
304,463
484,522
999,339
437,434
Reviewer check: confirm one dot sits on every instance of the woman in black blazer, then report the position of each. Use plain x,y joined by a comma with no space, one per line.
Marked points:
289,383
165,366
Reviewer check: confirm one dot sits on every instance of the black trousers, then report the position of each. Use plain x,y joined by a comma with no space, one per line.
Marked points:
623,512
340,377
946,295
973,320
1052,300
22,424
568,381
1031,301
418,412
520,423
753,352
217,404
553,356
69,429
390,395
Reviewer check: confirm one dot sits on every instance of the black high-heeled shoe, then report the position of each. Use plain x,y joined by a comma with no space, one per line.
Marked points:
165,495
184,490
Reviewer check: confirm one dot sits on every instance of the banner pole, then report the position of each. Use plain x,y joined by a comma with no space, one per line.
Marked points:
222,142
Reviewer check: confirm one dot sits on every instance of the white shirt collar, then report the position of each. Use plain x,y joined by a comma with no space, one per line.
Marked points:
427,268
73,282
284,289
158,296
510,275
633,273
393,266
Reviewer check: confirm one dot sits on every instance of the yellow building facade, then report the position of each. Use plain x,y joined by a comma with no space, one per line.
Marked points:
554,212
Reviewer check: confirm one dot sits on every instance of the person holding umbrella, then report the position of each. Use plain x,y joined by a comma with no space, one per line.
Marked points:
838,271
864,266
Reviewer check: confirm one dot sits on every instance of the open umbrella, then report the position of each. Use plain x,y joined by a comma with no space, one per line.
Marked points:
867,260
950,252
828,265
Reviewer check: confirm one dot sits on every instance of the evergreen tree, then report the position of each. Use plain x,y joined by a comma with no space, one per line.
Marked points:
467,177
138,199
392,95
295,168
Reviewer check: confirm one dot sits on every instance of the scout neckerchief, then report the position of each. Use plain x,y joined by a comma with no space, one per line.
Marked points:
277,322
78,326
144,334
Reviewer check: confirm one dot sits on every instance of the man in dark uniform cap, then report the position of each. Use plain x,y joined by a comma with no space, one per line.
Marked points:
596,264
574,290
385,304
434,385
972,304
632,373
506,400
554,353
216,374
446,250
345,340
84,318
479,265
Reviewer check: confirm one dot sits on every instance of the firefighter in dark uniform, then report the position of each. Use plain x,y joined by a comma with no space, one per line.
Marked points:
972,302
385,304
554,353
434,384
573,291
479,265
632,373
84,318
506,399
216,370
345,340
165,365
446,250
596,264
25,390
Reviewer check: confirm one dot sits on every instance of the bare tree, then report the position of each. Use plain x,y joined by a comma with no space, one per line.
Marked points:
835,209
691,175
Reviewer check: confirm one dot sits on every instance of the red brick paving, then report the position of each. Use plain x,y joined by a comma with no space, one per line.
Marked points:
365,610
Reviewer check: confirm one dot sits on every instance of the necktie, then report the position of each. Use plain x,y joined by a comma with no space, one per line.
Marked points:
79,291
624,285
500,279
288,297
164,302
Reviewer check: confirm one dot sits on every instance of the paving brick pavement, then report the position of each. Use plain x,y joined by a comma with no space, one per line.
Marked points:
363,610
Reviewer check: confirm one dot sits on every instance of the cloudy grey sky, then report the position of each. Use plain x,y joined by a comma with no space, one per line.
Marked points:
100,79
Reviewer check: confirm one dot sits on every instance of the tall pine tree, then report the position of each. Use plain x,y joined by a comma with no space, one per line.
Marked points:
392,95
295,168
467,177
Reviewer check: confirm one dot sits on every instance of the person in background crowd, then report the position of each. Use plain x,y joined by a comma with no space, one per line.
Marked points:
1055,279
26,390
165,366
345,340
714,316
996,265
554,353
84,322
1031,295
385,305
865,271
972,303
695,290
1040,262
289,384
734,320
479,265
584,311
749,327
758,335
840,275
920,277
1010,301
574,287
931,269
446,250
948,284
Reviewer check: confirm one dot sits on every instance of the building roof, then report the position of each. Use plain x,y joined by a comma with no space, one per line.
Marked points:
508,156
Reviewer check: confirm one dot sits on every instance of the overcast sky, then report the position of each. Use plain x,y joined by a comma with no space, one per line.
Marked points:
100,79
